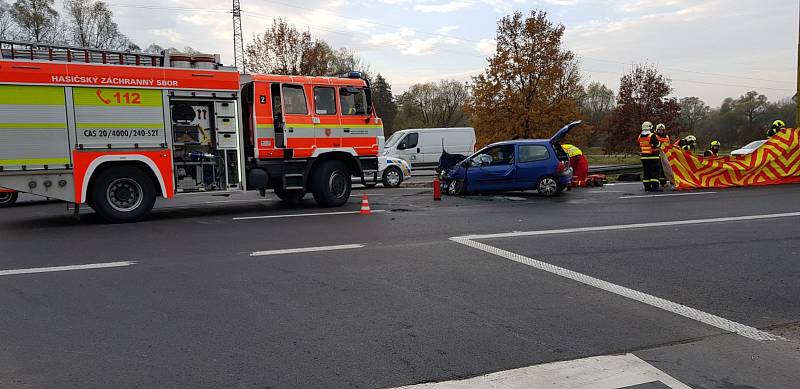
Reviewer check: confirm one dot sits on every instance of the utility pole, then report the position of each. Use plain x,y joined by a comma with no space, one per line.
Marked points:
238,41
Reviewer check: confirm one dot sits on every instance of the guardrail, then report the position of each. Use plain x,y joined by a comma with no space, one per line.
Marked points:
616,169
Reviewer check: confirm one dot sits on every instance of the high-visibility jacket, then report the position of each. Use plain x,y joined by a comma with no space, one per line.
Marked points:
663,140
648,145
571,150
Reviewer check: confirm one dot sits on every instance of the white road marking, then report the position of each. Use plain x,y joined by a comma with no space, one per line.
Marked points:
605,191
623,183
632,226
303,215
618,371
679,309
667,195
306,250
66,268
368,194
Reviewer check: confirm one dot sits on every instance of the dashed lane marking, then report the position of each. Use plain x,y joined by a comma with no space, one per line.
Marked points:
604,372
667,195
303,215
679,309
306,250
66,268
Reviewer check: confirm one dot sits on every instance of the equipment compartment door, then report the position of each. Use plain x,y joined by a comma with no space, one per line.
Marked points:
119,118
33,128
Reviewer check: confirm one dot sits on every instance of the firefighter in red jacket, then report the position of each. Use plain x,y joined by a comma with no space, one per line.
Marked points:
579,163
651,159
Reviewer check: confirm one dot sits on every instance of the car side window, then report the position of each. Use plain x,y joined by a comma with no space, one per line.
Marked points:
410,141
498,156
294,100
533,153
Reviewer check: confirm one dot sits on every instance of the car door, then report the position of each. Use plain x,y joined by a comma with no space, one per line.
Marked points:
408,148
492,169
535,161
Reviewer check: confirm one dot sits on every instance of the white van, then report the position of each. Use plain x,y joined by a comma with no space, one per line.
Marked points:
423,147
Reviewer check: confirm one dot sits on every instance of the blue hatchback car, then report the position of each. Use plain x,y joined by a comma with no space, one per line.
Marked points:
539,164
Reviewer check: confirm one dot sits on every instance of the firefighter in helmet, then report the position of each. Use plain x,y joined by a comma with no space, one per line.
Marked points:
663,140
651,160
712,151
688,143
776,127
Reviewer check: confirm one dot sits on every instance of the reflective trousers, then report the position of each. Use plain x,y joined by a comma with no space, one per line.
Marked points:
651,172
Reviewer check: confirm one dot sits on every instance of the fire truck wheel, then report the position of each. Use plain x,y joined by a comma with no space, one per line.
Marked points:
392,177
330,183
123,194
290,196
8,199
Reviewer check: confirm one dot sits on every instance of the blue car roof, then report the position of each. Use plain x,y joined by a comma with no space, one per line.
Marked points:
559,135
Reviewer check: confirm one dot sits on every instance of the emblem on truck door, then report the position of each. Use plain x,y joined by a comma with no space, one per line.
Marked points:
327,132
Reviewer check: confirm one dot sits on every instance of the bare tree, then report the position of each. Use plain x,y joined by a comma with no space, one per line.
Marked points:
433,105
91,24
6,21
37,20
279,50
693,110
597,103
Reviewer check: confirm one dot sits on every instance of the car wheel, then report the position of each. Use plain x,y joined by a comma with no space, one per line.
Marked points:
392,177
123,194
290,196
331,184
456,188
8,199
547,186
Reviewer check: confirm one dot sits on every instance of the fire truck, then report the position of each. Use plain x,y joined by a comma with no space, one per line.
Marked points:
114,130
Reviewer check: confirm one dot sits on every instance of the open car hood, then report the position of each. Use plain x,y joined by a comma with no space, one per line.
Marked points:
564,131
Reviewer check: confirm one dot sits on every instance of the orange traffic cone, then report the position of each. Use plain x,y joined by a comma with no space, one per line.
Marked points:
365,205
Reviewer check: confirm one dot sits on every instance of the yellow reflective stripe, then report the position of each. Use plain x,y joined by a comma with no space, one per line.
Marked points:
654,157
120,125
33,125
35,161
31,95
116,97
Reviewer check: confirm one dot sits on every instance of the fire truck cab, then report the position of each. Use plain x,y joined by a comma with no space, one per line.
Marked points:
116,129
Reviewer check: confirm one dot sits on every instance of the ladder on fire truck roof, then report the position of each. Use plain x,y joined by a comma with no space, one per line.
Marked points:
48,52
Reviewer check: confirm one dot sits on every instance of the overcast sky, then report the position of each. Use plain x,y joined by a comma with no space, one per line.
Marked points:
709,48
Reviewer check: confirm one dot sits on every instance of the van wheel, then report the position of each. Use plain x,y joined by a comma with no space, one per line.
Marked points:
331,184
290,196
392,177
122,194
8,199
548,186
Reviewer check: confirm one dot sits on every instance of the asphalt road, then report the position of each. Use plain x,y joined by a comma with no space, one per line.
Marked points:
217,291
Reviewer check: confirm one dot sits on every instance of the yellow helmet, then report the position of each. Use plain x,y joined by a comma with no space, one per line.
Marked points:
778,124
715,143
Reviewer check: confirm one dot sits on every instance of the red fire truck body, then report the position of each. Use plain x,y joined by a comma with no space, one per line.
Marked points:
116,129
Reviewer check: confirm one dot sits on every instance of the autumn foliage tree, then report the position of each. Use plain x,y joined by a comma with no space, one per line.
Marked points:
643,96
532,84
